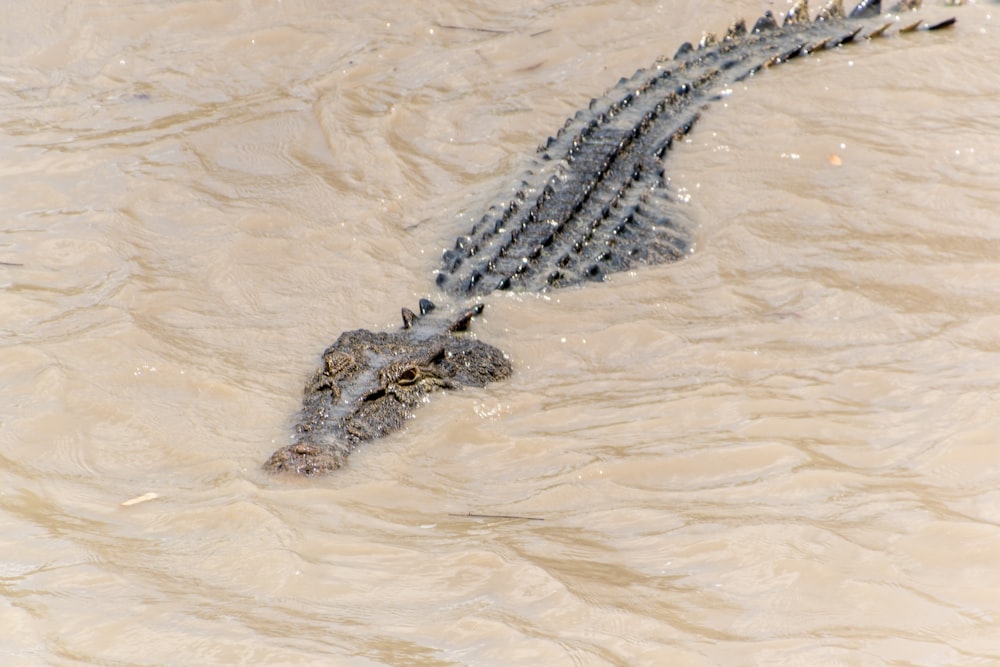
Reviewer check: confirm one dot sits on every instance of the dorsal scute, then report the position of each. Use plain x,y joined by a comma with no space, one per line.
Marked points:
866,9
831,11
737,30
765,23
426,306
879,31
798,14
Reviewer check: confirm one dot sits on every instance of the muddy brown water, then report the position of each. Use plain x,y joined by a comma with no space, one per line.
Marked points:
782,451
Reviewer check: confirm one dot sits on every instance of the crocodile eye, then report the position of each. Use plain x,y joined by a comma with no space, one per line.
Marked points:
408,376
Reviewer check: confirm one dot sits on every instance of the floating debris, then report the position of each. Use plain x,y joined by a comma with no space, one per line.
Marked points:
146,497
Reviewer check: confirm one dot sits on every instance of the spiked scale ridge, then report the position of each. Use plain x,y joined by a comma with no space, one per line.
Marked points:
595,200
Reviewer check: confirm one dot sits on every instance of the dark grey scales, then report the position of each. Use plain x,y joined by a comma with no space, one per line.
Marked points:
594,201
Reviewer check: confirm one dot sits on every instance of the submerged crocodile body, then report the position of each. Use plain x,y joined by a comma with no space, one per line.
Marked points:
594,201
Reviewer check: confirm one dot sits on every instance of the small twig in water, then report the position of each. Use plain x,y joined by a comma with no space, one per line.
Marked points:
496,516
493,31
146,497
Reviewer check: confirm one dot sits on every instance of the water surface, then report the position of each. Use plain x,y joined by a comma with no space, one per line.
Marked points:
782,451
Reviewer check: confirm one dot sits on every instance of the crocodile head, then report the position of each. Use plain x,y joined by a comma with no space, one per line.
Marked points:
370,382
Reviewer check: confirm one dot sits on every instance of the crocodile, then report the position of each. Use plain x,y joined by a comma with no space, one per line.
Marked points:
593,201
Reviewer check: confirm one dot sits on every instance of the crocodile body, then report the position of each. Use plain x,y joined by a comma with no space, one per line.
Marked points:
593,201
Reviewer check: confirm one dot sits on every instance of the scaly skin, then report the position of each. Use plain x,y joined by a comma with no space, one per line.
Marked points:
370,382
595,199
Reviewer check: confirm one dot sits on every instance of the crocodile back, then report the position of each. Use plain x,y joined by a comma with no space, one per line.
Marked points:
594,200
